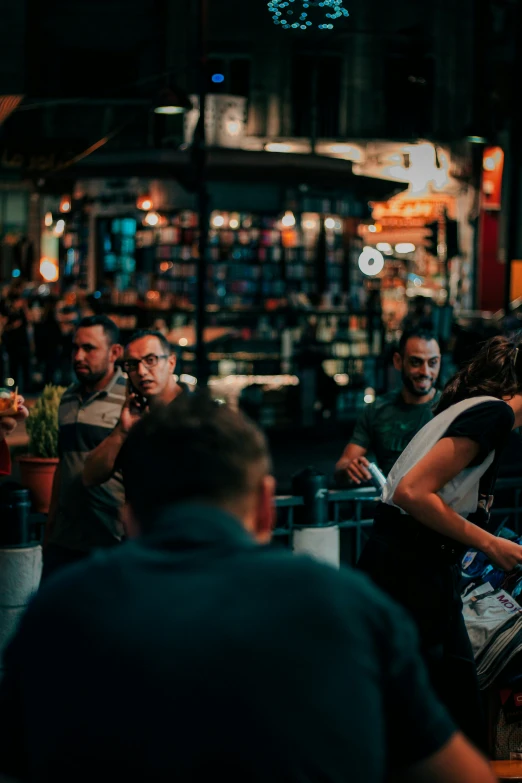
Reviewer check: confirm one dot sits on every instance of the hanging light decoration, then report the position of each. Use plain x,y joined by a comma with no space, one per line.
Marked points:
144,202
295,14
65,204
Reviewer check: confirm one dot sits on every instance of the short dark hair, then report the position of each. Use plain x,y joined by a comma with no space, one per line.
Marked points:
166,346
420,332
110,329
193,449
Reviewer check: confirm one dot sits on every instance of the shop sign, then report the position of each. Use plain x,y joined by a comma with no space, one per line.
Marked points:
493,170
413,212
20,159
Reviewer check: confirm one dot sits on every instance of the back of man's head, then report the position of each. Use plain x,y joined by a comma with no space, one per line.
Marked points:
197,450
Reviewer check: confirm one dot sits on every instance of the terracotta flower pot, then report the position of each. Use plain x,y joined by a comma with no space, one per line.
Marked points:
37,475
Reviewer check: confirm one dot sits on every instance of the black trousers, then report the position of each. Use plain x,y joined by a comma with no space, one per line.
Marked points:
427,584
56,558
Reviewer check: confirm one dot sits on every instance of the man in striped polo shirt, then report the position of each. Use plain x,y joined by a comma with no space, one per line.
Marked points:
84,518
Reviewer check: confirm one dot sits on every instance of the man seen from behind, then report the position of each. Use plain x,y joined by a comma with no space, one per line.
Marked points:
196,652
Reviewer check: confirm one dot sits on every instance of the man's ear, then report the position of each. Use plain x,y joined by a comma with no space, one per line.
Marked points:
130,523
397,361
172,362
116,352
265,512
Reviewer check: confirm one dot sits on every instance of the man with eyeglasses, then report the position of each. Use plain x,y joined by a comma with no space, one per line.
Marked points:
82,518
149,363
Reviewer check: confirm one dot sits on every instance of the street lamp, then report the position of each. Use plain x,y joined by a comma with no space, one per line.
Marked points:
172,101
199,162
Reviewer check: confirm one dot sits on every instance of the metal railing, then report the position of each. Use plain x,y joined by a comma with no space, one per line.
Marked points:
352,511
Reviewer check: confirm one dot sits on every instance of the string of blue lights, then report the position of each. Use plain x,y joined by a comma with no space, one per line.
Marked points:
282,9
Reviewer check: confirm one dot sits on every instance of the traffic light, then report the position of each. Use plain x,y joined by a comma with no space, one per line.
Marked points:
452,238
432,239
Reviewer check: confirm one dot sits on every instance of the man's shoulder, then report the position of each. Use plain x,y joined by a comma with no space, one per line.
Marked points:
385,402
69,402
117,391
346,591
71,392
300,579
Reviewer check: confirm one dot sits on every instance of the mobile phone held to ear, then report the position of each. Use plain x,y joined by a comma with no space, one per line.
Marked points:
139,402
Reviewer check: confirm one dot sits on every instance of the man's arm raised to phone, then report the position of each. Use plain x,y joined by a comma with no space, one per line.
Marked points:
100,463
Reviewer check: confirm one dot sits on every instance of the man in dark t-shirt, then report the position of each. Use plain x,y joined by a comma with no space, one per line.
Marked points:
196,651
387,425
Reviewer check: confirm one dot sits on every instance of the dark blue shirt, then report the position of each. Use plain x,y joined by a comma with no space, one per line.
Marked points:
194,654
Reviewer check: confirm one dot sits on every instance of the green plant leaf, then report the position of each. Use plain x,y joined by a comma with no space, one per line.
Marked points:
42,423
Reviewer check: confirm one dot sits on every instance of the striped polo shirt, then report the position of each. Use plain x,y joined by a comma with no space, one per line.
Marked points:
87,517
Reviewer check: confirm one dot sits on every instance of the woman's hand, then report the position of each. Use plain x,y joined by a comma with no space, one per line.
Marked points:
505,554
8,423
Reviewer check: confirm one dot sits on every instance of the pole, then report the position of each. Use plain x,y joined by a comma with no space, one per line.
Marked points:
515,164
313,108
442,248
200,160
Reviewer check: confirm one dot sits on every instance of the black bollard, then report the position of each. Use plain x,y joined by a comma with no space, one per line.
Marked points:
15,507
313,488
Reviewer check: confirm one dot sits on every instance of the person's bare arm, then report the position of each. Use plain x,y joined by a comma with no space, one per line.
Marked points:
99,465
351,468
457,762
417,495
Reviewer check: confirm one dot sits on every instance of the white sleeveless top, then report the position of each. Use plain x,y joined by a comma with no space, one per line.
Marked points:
462,492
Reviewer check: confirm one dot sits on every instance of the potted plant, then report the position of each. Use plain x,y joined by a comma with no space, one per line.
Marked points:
37,468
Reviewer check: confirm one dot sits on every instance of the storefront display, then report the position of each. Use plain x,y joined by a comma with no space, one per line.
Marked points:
254,259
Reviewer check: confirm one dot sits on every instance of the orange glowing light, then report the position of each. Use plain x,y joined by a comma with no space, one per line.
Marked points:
493,158
49,269
145,203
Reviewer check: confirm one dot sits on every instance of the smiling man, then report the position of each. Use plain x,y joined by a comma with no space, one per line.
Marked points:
149,363
82,519
386,426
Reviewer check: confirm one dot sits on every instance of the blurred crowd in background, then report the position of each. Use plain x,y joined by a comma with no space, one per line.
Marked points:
37,327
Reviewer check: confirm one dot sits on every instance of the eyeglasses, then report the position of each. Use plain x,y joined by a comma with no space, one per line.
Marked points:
131,365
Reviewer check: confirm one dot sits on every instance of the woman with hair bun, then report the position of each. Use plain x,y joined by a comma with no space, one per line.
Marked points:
435,505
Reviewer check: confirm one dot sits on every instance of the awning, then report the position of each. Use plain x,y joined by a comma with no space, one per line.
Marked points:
8,103
232,165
